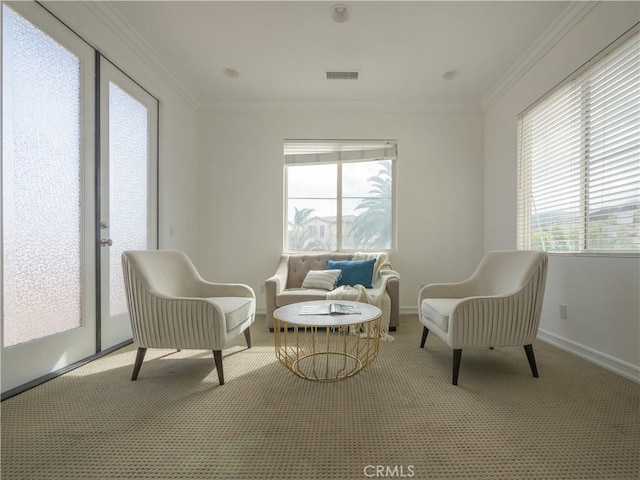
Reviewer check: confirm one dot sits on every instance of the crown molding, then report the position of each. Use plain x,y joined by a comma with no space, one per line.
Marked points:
121,28
568,19
337,106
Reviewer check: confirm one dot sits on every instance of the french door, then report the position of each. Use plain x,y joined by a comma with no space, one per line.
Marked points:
76,192
128,186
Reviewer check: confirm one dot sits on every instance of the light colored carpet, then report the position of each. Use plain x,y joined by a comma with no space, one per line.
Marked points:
398,418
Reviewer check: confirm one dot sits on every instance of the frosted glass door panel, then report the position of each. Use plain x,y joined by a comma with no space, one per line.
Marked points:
48,196
41,171
128,178
128,124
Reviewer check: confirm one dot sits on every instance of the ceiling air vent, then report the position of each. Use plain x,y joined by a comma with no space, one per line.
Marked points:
342,75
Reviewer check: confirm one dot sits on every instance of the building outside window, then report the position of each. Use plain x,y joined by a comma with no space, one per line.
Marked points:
579,159
339,195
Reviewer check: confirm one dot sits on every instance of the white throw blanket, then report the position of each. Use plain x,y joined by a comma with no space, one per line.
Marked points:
377,295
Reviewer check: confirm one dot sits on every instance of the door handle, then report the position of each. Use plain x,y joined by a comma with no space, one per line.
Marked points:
106,242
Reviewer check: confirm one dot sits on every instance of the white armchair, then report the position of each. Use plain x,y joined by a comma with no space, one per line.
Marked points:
499,305
172,306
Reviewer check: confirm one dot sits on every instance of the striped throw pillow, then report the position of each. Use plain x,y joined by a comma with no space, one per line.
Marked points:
321,279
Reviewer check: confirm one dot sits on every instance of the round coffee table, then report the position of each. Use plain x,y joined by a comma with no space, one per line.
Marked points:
326,347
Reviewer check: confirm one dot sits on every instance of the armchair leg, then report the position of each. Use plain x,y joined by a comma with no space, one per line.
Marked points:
425,332
247,336
457,356
217,356
138,364
532,359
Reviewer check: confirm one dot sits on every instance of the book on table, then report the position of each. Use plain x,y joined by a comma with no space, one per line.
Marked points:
330,309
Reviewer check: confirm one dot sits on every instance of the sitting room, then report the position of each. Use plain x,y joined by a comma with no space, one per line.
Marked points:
461,178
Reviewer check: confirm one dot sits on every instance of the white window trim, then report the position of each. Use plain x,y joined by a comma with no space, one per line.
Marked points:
339,152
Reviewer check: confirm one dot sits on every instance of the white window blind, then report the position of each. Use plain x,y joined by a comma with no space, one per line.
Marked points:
329,151
579,159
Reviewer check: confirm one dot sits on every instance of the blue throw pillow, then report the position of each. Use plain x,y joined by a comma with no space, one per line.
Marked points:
354,272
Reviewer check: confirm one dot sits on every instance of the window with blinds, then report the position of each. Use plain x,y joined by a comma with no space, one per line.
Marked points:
579,159
339,195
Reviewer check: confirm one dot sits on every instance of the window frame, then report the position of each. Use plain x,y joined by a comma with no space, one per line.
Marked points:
339,162
525,215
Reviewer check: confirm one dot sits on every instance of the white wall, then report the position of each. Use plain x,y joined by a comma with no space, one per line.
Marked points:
440,185
177,118
601,293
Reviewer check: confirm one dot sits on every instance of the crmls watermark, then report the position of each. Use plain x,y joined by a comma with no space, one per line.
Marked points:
389,471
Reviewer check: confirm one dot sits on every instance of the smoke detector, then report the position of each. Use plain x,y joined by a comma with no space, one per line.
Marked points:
339,13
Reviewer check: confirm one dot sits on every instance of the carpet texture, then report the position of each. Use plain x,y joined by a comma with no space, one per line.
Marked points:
398,418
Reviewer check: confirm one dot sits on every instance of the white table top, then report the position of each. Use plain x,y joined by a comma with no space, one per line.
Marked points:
291,314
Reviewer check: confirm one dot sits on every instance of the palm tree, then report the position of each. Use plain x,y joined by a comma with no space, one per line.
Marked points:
301,237
372,228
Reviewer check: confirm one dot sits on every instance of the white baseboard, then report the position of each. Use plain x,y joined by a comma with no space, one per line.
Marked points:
408,310
615,365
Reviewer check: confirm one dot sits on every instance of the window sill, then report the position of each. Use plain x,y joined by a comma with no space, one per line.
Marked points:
596,254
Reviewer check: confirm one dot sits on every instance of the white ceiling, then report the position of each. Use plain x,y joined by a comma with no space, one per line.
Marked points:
282,49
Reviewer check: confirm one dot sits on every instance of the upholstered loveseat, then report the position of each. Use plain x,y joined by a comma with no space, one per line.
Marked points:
285,286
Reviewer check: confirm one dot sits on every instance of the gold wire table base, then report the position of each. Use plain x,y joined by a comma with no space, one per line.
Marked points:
326,348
